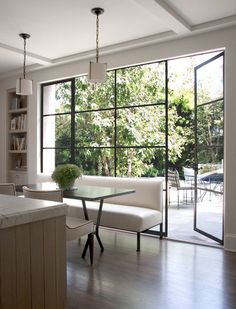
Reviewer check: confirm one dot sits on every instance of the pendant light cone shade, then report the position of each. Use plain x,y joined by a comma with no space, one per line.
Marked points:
24,86
97,70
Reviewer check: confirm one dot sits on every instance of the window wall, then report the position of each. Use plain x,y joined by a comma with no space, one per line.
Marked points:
118,128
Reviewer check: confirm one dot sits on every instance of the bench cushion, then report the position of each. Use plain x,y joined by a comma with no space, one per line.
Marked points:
148,191
117,216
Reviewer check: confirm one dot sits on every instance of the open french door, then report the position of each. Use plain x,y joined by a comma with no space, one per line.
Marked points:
209,148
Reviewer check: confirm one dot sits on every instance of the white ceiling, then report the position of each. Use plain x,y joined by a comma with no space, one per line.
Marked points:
64,30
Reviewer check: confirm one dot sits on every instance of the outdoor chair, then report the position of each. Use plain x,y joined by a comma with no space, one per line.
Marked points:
174,183
188,175
75,227
7,188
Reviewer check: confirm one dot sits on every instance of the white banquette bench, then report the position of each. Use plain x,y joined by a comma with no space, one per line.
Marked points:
134,212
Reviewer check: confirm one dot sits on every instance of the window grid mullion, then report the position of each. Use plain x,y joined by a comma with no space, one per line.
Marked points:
115,133
72,145
115,109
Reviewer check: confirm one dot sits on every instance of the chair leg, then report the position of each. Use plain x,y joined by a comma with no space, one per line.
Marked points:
178,198
161,230
91,246
138,241
98,239
169,197
85,247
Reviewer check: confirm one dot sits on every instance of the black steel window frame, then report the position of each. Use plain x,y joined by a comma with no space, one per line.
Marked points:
71,113
206,147
115,108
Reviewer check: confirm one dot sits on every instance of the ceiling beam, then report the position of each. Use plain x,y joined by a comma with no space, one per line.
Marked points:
33,57
114,48
149,40
215,24
166,15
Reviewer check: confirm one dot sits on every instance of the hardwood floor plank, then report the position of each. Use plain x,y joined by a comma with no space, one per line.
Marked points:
165,274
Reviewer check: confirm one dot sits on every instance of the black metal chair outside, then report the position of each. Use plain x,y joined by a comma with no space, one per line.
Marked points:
174,183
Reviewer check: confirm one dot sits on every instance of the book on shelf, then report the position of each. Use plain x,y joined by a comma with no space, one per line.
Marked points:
13,124
18,143
19,122
22,143
15,103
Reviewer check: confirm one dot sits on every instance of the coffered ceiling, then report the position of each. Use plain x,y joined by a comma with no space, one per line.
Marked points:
63,31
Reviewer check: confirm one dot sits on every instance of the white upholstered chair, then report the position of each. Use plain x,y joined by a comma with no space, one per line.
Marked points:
7,188
75,227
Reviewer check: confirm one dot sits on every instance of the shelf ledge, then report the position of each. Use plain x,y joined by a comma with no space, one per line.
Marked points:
17,151
18,110
17,131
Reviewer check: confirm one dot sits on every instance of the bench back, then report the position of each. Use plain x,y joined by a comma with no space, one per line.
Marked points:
148,191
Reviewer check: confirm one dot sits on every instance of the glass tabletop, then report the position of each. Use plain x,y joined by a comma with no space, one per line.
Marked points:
92,193
84,192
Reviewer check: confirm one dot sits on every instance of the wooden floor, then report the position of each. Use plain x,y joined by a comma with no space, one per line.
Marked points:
165,275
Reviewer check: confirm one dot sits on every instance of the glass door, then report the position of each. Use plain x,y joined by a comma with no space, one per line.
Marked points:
209,148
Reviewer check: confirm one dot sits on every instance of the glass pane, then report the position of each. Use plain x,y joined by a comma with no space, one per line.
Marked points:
57,98
57,131
94,129
141,126
63,156
90,96
210,159
141,85
96,161
145,162
210,183
48,160
210,121
210,212
53,157
210,81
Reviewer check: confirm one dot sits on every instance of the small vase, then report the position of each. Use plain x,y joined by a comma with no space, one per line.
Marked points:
68,187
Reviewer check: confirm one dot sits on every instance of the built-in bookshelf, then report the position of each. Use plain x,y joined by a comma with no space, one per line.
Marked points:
17,110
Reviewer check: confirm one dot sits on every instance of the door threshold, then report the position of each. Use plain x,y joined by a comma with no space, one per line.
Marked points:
218,246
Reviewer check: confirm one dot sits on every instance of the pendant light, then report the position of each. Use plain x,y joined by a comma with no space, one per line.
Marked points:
97,70
23,85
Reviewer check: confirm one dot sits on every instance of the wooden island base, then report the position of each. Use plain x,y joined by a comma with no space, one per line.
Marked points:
33,265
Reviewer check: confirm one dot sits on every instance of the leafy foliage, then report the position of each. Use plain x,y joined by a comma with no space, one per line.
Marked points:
65,175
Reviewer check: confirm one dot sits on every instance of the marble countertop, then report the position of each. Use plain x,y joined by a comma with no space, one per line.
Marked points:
18,210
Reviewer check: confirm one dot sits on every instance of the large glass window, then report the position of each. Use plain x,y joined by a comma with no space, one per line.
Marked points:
114,129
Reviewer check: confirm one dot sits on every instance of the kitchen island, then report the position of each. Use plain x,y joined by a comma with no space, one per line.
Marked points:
32,253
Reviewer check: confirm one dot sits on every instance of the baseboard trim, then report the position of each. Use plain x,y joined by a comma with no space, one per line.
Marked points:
230,242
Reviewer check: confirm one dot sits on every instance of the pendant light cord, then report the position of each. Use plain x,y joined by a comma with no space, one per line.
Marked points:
24,57
97,39
24,36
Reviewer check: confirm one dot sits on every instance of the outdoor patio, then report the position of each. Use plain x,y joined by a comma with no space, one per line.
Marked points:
181,219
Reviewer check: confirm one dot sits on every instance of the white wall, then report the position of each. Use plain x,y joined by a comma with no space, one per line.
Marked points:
203,42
